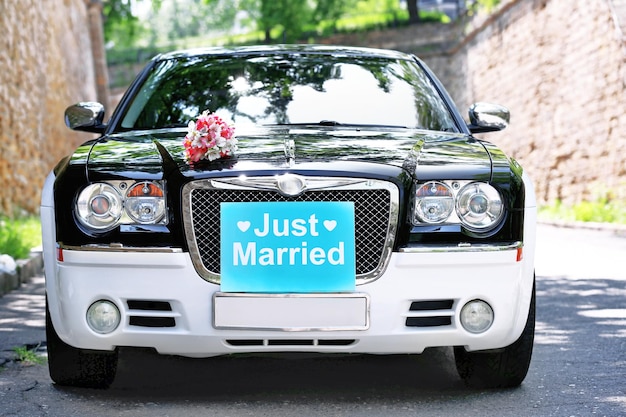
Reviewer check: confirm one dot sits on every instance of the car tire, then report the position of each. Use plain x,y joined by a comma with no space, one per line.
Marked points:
77,367
500,368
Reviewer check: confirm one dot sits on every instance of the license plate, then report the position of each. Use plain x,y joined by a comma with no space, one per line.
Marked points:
291,312
287,247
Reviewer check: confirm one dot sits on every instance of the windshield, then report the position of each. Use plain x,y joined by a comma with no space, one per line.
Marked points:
289,89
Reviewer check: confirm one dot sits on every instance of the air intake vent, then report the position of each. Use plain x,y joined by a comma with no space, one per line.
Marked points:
151,313
149,305
290,342
429,321
430,313
143,321
431,305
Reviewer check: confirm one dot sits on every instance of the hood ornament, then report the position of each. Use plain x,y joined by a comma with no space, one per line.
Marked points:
290,151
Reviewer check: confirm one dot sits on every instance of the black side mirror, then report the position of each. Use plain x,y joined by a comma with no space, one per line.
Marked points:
86,116
488,117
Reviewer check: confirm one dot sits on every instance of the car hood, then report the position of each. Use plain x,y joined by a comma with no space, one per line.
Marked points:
423,154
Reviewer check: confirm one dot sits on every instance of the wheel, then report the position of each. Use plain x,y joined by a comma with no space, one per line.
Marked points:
500,368
76,367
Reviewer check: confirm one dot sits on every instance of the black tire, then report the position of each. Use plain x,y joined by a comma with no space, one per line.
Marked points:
76,367
501,368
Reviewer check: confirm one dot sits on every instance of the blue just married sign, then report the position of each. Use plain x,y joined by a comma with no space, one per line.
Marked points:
293,247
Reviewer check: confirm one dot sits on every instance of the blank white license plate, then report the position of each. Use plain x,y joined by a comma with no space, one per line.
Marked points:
291,312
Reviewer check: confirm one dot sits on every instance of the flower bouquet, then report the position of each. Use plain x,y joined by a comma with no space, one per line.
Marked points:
209,138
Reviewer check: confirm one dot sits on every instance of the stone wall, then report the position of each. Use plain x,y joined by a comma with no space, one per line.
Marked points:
559,66
46,62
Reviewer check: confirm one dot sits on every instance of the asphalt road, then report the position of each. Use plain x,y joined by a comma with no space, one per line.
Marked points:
578,366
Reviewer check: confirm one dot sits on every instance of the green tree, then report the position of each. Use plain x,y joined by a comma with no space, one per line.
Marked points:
186,18
179,19
289,17
121,26
327,12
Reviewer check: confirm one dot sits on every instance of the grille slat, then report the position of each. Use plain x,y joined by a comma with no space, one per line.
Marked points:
374,210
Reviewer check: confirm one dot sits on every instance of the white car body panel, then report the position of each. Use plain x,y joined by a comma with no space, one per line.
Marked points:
86,275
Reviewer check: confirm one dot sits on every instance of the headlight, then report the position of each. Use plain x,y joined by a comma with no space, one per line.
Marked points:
145,203
476,205
479,206
99,206
102,206
434,202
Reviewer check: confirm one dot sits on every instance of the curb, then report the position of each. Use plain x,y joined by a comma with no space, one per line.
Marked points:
26,269
618,229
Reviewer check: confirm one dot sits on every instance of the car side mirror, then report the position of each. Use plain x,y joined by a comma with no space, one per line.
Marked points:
86,116
488,117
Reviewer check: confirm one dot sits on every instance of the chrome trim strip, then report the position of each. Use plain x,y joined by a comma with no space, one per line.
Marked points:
365,296
118,247
270,183
462,247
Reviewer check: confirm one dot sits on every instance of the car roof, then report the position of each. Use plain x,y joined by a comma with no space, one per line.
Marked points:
295,49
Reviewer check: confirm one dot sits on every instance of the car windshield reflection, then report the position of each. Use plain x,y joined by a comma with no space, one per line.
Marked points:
289,90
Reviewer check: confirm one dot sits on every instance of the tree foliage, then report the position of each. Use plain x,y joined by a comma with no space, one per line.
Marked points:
471,6
189,18
279,20
486,4
121,26
290,17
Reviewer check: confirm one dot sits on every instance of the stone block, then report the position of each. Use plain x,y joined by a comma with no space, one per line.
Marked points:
8,282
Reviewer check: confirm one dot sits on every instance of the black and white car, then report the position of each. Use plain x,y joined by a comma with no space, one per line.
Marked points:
288,199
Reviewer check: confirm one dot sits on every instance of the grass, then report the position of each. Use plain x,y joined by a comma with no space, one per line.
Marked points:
18,236
603,210
28,355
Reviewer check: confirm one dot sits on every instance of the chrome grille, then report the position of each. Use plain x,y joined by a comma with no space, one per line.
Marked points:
375,206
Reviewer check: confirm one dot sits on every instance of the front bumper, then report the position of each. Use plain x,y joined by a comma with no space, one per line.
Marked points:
165,305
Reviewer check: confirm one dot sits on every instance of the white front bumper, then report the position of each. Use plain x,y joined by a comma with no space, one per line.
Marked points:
182,322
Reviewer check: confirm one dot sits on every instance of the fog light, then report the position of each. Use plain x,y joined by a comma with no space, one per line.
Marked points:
476,316
103,317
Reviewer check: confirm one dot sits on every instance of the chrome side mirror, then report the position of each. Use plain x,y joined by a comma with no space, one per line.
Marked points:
86,116
488,117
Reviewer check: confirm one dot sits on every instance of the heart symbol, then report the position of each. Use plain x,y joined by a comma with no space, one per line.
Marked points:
243,226
330,225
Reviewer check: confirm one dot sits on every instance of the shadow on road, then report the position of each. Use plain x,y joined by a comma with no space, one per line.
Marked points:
296,377
22,316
